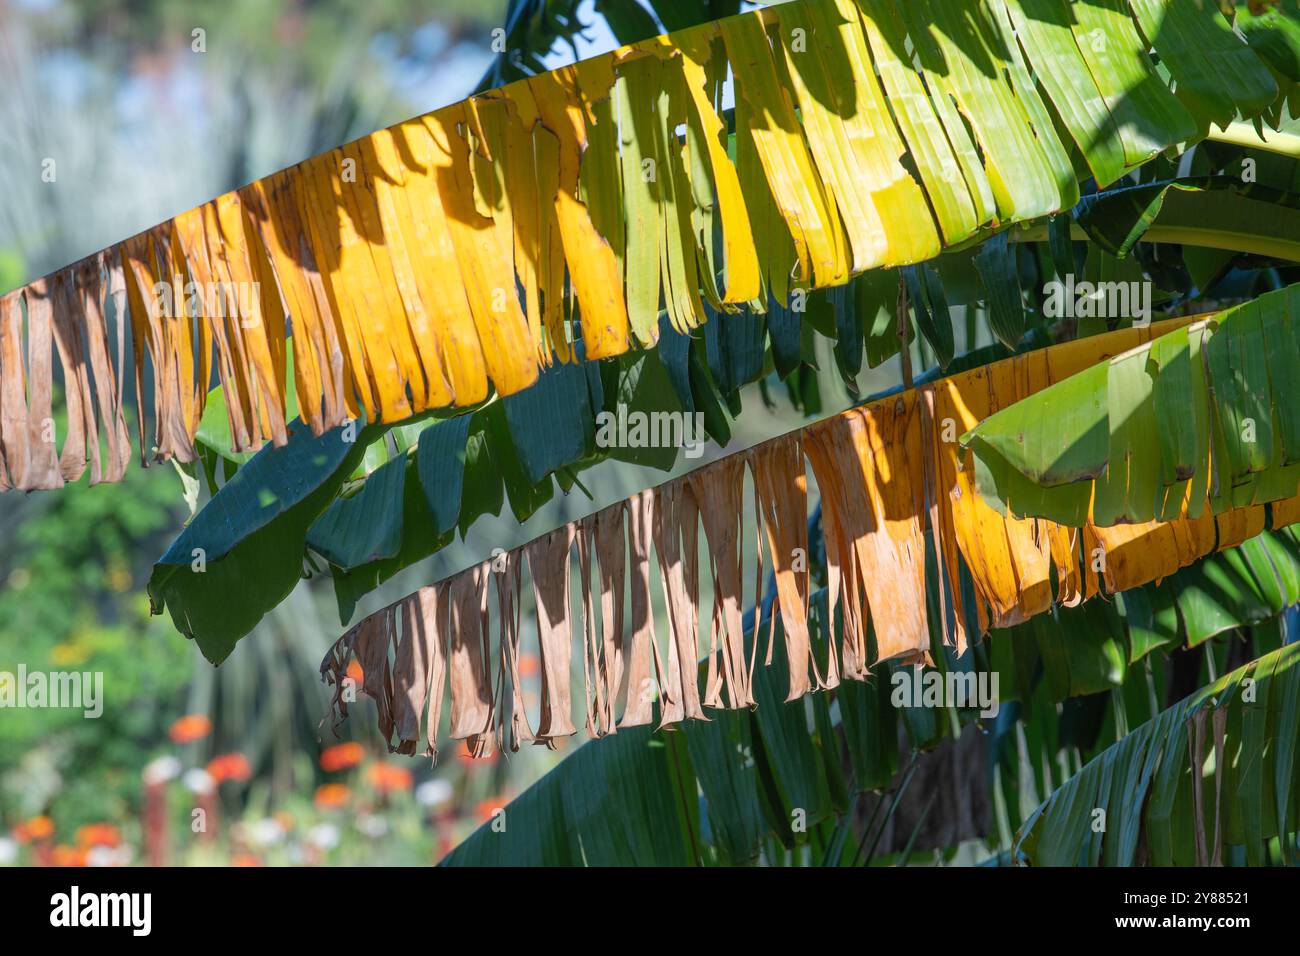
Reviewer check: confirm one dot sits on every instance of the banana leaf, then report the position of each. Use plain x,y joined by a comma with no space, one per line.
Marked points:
1215,771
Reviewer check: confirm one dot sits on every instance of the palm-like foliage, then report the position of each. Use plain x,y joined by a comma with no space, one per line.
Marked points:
796,783
1115,224
1216,770
864,141
1195,423
569,247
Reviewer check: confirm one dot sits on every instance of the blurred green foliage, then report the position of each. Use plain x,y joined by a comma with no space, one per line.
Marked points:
11,268
71,568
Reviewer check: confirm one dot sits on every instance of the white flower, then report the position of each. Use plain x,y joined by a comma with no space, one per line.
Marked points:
109,856
161,769
324,835
372,825
266,832
199,781
8,851
433,793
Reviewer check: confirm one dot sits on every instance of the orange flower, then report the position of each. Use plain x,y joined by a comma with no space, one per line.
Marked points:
528,665
69,856
37,828
355,672
190,728
98,834
486,808
388,777
231,766
245,859
331,796
341,756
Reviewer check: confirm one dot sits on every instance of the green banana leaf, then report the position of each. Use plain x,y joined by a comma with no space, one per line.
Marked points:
1139,427
1213,774
242,553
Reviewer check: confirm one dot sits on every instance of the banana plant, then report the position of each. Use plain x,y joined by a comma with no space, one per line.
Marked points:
775,787
881,166
830,99
1254,226
822,783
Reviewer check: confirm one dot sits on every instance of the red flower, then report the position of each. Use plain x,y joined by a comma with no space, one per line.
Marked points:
37,828
69,856
98,834
486,808
190,728
331,796
231,766
341,756
388,777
